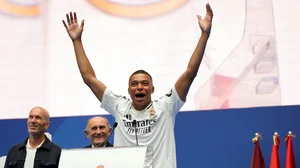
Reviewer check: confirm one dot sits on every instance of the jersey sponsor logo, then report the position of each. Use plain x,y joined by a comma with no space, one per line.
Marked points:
128,116
142,126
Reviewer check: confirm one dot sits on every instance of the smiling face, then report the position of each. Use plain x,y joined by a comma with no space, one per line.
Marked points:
38,121
140,89
97,130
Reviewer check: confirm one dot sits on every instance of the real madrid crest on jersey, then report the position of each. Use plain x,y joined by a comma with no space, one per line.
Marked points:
151,113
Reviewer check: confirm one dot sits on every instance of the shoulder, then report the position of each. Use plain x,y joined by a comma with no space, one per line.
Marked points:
88,146
109,144
55,147
112,97
169,97
17,146
169,101
109,92
16,149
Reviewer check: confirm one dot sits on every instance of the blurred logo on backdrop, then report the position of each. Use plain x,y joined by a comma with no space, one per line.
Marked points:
137,8
21,7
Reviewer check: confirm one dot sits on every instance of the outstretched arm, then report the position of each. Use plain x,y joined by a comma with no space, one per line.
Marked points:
184,82
84,65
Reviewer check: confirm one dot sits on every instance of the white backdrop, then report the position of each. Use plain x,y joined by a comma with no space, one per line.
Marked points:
38,65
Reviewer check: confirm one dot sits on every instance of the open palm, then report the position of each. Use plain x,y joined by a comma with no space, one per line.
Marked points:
72,27
205,24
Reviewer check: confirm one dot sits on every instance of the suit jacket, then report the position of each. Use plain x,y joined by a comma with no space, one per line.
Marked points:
107,145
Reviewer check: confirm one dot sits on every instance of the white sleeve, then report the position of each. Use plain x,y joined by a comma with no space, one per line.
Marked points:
171,102
111,101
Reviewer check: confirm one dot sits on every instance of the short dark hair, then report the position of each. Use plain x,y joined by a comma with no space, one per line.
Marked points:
140,71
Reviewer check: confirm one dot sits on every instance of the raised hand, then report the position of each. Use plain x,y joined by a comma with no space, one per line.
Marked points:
205,24
73,28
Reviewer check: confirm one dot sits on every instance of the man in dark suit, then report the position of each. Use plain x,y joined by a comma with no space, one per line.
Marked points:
97,130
